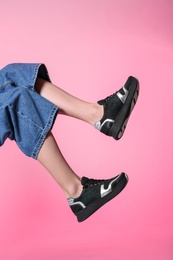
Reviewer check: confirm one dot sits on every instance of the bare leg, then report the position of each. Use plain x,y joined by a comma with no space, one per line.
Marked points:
50,156
96,192
52,159
68,104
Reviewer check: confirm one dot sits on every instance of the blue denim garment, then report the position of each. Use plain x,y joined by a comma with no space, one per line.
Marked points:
25,116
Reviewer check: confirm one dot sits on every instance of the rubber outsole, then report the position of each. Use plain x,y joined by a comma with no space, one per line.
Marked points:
119,126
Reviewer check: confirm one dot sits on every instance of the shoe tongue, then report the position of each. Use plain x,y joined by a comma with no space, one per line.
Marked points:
101,102
84,180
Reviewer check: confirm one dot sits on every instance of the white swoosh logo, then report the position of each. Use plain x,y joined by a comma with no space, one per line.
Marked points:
123,97
103,191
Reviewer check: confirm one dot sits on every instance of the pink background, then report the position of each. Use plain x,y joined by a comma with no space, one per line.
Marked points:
90,48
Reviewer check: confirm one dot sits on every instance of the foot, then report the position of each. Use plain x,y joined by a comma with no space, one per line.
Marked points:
117,109
95,194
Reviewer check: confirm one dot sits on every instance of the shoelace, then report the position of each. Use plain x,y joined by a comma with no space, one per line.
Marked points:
104,101
111,96
121,91
91,182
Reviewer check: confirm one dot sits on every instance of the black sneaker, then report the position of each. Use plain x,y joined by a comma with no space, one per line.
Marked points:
117,109
95,194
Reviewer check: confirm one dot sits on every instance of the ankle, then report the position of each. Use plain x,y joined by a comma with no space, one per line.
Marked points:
96,114
75,191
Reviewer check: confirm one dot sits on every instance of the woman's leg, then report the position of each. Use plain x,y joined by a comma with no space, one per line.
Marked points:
85,196
109,115
68,104
51,158
50,155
